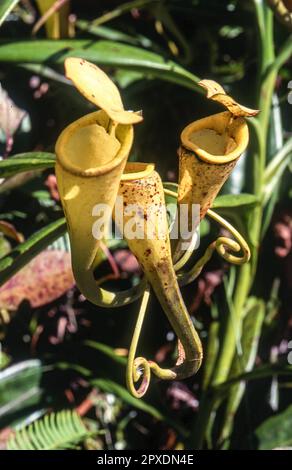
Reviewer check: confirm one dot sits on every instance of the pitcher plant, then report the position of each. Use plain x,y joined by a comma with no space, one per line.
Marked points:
95,180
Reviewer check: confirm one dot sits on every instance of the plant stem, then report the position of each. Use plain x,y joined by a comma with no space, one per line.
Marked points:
267,75
247,272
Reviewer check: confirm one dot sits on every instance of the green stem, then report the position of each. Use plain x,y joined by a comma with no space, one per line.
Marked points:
207,405
247,271
211,354
267,74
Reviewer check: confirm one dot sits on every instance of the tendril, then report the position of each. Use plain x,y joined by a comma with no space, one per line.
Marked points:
225,247
237,245
139,368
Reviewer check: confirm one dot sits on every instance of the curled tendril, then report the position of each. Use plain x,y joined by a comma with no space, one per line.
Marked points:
139,368
237,245
225,247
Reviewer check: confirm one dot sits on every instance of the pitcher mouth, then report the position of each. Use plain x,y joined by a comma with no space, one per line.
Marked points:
123,137
137,170
217,139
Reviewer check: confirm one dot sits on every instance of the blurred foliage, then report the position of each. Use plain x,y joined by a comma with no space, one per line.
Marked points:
67,355
55,431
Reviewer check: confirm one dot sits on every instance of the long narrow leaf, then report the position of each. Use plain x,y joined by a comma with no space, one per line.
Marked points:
19,386
108,53
235,200
251,330
109,386
107,350
5,8
111,34
26,162
262,372
276,168
122,9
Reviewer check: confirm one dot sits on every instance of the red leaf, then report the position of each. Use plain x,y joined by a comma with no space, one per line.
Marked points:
44,279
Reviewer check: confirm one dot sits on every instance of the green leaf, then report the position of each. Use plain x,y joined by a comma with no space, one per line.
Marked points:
234,200
283,54
20,386
109,386
122,9
242,217
251,330
60,430
210,353
46,72
4,360
272,181
112,387
5,8
105,32
239,210
70,366
26,162
261,372
27,250
276,431
107,350
109,53
276,168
